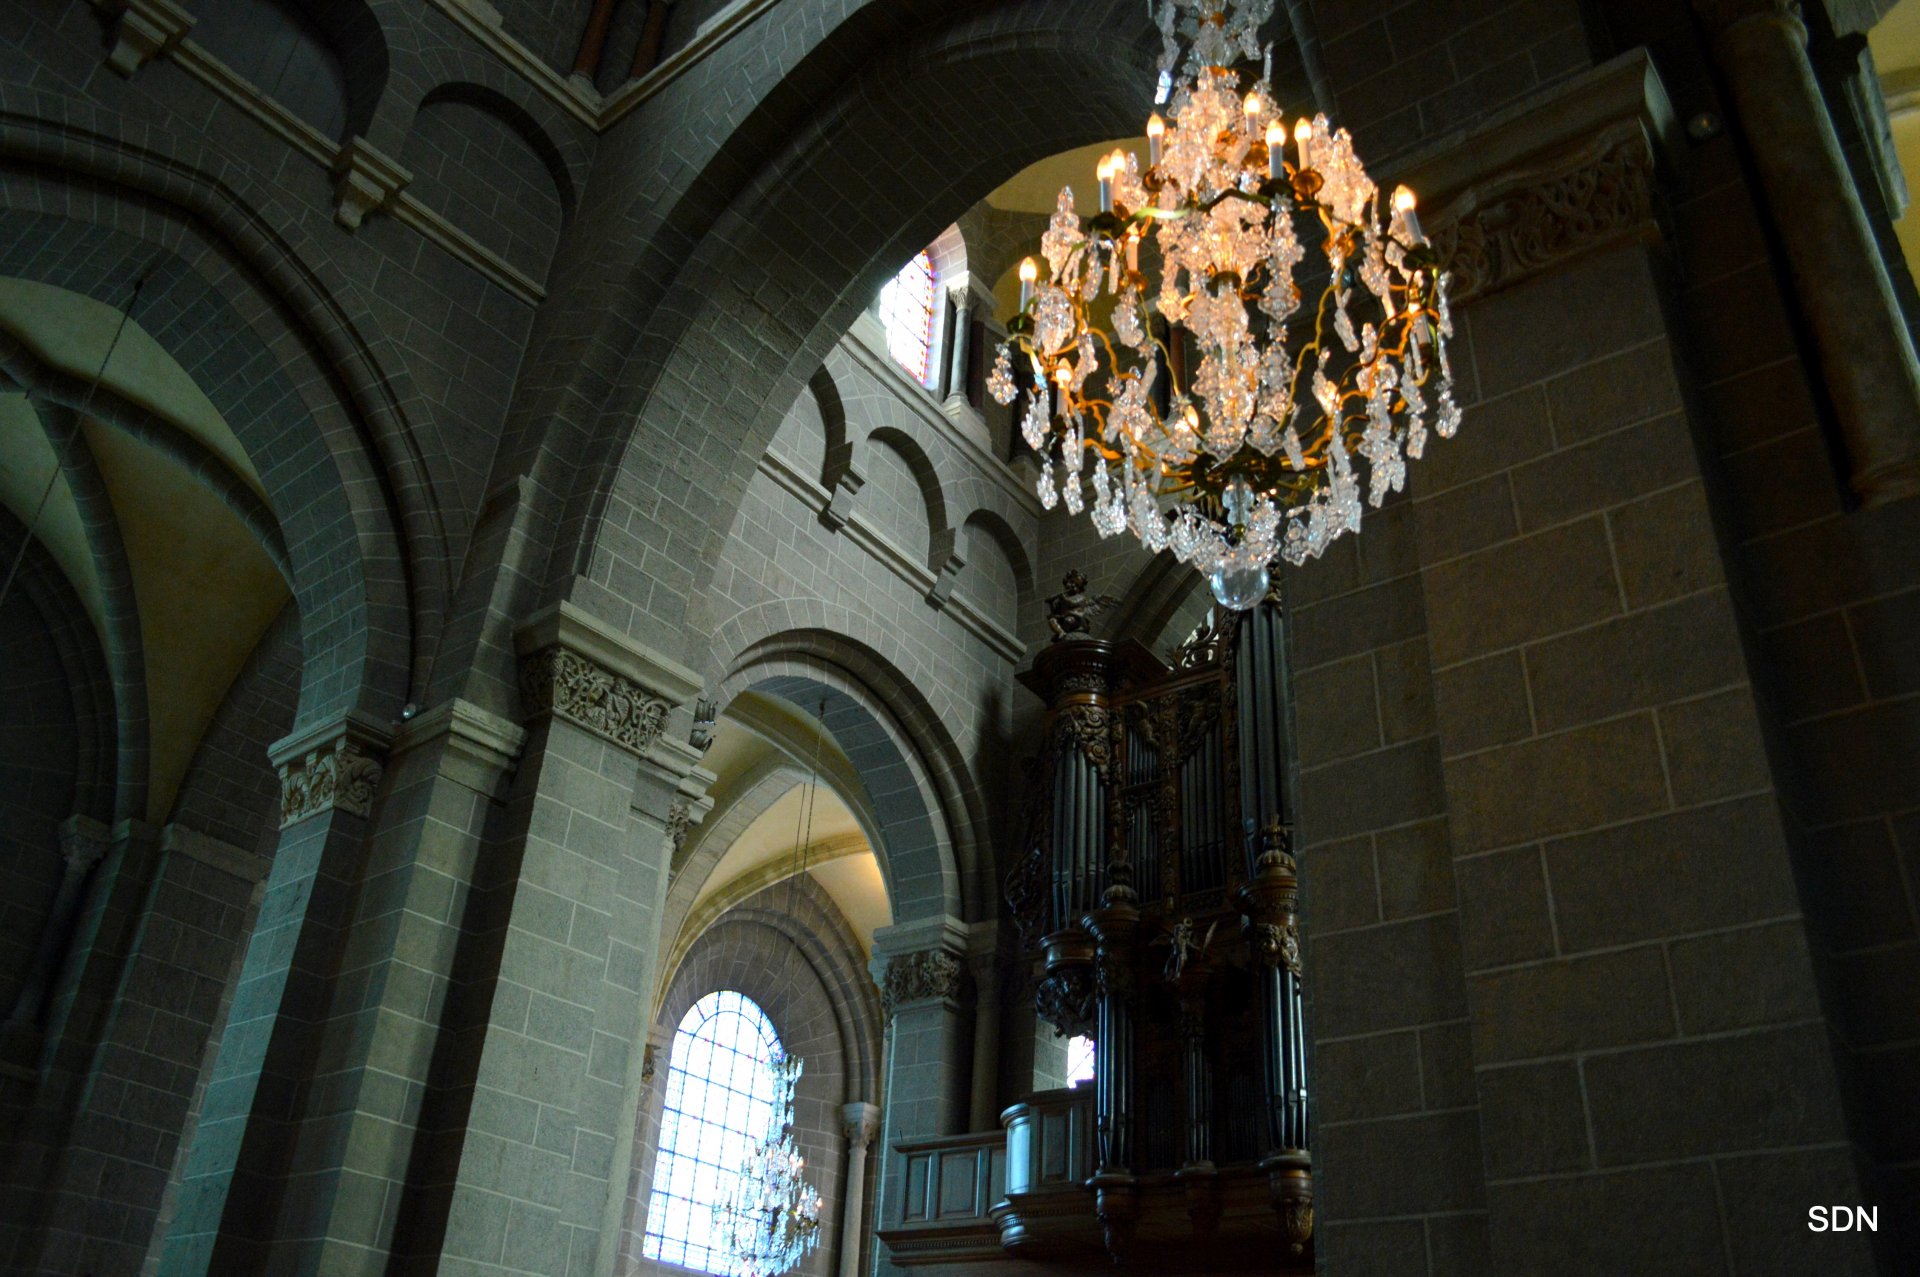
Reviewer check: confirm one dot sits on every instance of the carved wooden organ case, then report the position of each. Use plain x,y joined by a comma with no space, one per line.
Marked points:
1156,899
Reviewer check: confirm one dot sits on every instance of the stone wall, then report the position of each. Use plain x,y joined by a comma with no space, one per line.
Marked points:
1606,729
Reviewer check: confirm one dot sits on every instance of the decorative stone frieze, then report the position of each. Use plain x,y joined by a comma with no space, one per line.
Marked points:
920,977
1548,182
142,31
365,180
568,685
1526,223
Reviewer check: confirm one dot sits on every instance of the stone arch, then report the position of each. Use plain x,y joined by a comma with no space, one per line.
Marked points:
900,106
324,60
932,515
57,739
840,459
787,950
949,253
987,534
933,852
218,293
471,149
230,788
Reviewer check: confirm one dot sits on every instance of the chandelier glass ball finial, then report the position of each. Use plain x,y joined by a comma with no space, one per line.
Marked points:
1179,386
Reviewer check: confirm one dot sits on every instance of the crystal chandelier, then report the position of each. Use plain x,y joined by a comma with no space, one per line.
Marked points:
1229,435
771,1219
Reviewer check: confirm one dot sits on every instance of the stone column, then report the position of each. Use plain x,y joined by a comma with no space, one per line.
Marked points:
957,349
83,841
859,1122
983,1112
234,1173
919,967
1841,282
376,1054
560,994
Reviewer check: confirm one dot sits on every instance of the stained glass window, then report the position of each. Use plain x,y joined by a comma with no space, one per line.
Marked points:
719,1103
907,312
1079,1061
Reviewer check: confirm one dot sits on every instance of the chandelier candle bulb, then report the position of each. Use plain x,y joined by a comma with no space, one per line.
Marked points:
1303,136
1156,130
1104,171
1276,149
1028,273
1403,208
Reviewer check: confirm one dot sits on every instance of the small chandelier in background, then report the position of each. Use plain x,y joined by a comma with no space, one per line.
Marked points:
772,1218
1247,452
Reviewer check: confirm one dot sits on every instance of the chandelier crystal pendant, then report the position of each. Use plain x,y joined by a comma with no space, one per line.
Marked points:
772,1218
1235,433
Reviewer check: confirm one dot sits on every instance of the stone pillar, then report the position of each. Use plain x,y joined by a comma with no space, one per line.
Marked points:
983,1112
83,841
859,1122
234,1173
1841,282
919,967
376,1054
560,994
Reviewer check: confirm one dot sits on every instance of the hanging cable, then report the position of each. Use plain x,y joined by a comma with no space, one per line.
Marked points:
66,445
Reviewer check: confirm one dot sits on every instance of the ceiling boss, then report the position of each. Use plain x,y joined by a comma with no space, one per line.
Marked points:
1207,407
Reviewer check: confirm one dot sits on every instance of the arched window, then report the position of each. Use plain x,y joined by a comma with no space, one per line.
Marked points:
1079,1061
907,311
719,1104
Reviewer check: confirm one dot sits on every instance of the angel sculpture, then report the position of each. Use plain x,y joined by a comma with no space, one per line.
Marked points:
1070,613
1184,947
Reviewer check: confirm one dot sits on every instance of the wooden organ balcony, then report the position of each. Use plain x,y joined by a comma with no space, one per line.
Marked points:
1156,896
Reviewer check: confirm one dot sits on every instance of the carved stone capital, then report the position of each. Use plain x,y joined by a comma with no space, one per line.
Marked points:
365,180
342,776
335,765
142,31
83,843
569,686
679,821
576,667
930,975
859,1123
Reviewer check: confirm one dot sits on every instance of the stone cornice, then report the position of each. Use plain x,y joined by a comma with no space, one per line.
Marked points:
213,852
335,765
481,747
1564,174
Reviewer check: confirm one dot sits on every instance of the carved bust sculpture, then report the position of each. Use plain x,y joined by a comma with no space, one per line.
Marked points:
1070,613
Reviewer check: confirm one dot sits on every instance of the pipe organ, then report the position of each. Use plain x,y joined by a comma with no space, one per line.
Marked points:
1156,896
